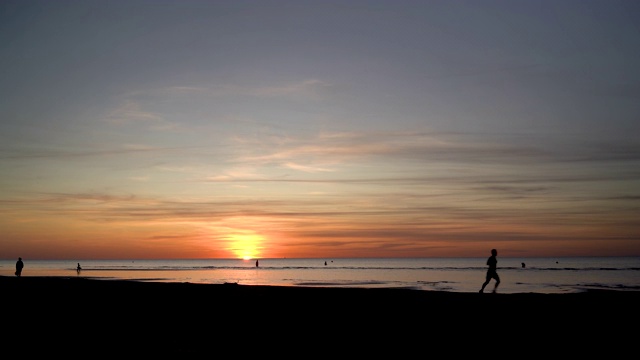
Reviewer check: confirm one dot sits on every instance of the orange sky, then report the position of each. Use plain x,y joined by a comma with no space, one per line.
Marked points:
140,229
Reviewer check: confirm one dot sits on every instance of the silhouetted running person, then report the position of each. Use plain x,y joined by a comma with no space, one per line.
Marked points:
19,266
492,272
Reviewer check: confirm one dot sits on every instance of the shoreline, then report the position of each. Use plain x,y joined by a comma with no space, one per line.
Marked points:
189,318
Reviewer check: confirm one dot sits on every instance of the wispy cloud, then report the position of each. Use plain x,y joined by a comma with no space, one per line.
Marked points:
132,112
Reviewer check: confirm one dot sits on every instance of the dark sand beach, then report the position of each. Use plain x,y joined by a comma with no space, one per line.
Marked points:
89,317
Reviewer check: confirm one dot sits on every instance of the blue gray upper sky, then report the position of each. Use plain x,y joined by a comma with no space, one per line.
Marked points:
194,129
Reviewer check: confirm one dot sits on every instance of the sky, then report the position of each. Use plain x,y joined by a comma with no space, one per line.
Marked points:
319,129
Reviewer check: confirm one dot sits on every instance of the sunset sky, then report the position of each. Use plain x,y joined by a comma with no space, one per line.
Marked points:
301,129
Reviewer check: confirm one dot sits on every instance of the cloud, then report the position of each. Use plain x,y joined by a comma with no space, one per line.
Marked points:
132,112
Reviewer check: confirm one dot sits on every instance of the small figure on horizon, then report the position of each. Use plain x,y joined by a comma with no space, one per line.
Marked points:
325,263
257,263
19,266
523,265
78,268
492,272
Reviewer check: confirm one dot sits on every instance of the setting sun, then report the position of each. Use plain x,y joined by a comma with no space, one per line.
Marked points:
246,245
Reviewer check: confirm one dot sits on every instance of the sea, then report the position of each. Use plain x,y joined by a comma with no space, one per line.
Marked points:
518,275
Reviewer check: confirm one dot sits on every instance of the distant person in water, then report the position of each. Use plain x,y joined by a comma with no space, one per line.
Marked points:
78,268
257,263
19,266
492,271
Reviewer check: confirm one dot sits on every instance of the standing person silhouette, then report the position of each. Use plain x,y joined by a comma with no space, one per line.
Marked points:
492,272
78,269
19,266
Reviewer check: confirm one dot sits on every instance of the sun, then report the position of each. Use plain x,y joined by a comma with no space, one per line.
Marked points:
246,245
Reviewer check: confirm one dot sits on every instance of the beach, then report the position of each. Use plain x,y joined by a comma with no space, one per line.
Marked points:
541,275
68,315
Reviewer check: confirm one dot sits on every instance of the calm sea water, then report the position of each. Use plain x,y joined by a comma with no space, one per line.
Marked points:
538,275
